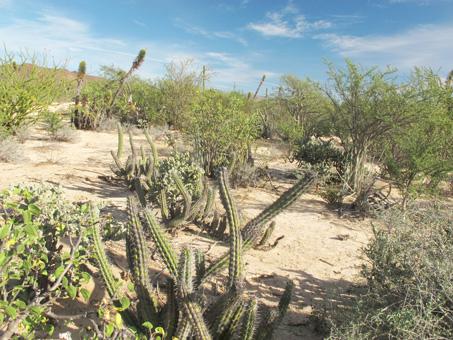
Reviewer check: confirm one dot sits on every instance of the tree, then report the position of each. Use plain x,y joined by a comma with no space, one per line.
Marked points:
27,87
220,128
179,86
366,105
420,154
303,107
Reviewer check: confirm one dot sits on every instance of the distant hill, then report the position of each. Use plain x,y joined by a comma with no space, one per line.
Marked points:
66,73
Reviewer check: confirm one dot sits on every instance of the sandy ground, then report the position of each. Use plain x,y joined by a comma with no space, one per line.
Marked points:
320,252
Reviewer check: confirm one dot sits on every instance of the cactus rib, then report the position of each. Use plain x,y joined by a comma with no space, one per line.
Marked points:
235,267
137,255
248,323
164,247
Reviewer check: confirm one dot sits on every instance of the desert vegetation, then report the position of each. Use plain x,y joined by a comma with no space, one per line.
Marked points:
370,144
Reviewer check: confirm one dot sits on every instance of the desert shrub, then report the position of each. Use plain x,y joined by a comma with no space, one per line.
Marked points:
23,134
57,129
10,150
328,160
27,87
36,268
409,277
220,127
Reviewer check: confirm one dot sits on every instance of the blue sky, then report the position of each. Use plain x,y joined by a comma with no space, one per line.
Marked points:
240,39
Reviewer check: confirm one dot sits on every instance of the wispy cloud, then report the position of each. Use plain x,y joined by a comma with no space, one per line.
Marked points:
197,30
6,4
428,45
139,23
287,23
230,70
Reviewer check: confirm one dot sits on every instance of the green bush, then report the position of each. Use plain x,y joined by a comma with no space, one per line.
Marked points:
27,88
36,269
220,128
409,294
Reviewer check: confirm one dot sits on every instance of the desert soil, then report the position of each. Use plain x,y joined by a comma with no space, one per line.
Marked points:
319,251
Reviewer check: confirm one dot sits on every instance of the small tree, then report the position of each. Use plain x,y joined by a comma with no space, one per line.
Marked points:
27,88
422,150
220,129
366,105
179,86
303,108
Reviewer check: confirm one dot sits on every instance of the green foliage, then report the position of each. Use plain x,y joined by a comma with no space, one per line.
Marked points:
220,128
179,87
27,88
409,291
35,269
366,105
301,109
419,155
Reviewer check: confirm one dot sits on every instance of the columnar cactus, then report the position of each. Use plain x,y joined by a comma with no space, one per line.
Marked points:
184,314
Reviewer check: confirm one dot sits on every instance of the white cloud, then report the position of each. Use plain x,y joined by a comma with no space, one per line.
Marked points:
230,70
428,45
139,23
197,30
287,23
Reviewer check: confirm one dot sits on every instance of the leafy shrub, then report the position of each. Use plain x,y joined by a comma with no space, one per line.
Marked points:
219,127
27,87
409,274
317,152
36,268
57,129
329,161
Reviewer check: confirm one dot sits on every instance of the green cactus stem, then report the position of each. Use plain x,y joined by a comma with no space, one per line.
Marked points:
220,314
108,278
104,265
163,205
137,256
163,245
192,311
200,265
171,312
180,219
266,236
235,267
252,230
185,268
233,325
140,191
249,319
153,148
274,317
120,140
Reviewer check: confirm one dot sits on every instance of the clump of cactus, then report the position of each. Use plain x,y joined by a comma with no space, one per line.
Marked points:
185,314
175,184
